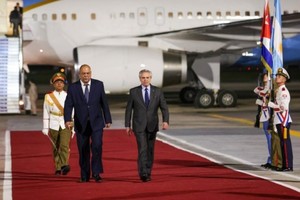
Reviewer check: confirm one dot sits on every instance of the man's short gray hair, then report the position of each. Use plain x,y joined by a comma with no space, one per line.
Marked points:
145,71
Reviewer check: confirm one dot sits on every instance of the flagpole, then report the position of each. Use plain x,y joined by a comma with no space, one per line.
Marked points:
267,56
276,39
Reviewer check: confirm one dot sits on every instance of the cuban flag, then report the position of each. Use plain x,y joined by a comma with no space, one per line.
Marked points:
266,52
277,39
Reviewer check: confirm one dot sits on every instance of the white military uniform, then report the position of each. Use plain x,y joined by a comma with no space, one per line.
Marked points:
52,116
281,106
282,121
265,112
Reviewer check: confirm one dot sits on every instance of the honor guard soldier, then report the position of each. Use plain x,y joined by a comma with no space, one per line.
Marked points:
264,92
54,124
282,119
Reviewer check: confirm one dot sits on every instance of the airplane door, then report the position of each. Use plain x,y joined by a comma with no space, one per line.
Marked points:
142,16
159,16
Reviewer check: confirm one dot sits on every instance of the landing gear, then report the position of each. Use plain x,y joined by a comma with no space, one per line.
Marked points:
204,84
204,99
227,98
188,94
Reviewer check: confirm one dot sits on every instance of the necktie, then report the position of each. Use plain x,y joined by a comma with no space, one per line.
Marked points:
147,100
86,92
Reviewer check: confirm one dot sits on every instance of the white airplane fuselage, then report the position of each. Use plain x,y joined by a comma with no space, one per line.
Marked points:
116,37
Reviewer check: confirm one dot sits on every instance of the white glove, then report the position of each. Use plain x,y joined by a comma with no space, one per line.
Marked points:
73,133
45,131
272,105
259,102
263,92
258,89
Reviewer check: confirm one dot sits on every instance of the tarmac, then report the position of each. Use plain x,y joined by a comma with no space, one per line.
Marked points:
223,135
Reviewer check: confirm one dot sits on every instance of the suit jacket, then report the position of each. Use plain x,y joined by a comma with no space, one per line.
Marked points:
145,118
96,110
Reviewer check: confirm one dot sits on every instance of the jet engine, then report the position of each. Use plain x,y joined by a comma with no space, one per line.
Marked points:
118,66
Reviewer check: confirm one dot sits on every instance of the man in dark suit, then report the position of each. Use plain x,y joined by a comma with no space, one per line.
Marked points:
15,20
142,109
91,115
20,11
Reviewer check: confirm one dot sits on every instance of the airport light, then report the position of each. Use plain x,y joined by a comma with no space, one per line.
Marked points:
247,54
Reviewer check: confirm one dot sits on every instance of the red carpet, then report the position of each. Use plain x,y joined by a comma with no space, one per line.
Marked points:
176,174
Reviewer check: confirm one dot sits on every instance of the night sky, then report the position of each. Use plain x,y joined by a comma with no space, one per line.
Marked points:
30,2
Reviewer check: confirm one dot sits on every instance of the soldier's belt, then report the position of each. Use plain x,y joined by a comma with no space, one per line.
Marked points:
56,113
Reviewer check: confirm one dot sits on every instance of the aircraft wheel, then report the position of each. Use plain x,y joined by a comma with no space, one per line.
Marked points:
227,98
187,94
204,99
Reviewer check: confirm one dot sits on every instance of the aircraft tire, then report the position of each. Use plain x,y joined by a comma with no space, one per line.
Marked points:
204,99
187,94
227,98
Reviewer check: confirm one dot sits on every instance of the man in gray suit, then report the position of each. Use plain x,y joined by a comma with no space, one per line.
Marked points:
142,107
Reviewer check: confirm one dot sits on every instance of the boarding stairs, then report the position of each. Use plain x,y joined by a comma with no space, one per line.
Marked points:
10,74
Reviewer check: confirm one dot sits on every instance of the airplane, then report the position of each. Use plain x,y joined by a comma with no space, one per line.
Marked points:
180,41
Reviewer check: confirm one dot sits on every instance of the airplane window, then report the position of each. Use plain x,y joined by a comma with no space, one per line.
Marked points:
180,15
34,17
131,15
208,14
159,14
113,16
256,13
74,17
93,16
190,15
142,18
142,14
237,13
44,17
170,15
247,13
218,14
64,16
122,15
54,17
228,14
199,15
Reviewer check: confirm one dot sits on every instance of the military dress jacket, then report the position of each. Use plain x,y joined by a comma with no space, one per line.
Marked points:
53,118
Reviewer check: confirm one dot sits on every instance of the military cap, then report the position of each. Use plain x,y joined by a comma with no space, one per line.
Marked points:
58,76
283,72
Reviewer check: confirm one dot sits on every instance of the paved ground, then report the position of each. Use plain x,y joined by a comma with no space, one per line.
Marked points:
223,135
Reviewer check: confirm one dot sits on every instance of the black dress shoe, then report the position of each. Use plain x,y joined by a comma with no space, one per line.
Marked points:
83,180
287,169
267,166
65,169
145,178
57,172
97,178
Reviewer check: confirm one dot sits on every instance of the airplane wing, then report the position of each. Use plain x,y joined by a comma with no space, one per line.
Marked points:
226,37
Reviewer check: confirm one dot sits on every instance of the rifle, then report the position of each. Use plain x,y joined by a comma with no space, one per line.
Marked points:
257,117
272,97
